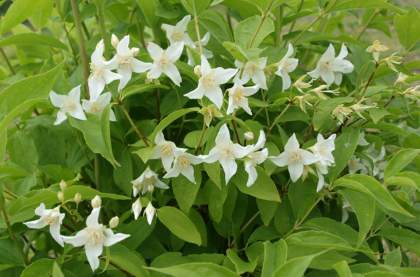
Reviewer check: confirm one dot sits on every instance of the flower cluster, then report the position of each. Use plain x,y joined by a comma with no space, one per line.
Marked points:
93,237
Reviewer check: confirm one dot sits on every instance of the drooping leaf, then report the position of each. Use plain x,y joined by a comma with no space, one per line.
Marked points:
128,260
17,12
275,256
196,269
400,160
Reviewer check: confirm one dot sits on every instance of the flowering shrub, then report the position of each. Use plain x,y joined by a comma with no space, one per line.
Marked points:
227,138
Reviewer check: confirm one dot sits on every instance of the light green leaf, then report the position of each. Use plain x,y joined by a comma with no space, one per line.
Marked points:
236,51
400,160
171,118
96,132
345,146
322,119
196,269
185,192
263,188
342,269
17,12
128,260
406,27
251,32
267,210
141,88
404,237
31,39
241,266
179,224
295,267
364,206
39,268
195,7
275,256
56,270
393,258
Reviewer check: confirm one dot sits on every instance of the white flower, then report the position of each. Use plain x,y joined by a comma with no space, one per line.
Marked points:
98,105
136,208
287,65
178,33
150,212
210,81
101,73
94,237
206,53
331,68
254,158
322,150
68,105
147,182
183,164
253,70
164,150
225,152
125,63
48,217
164,61
238,97
294,158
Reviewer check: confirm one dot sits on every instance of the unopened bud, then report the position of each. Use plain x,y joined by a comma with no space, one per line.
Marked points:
249,136
77,198
113,223
135,51
63,185
96,202
60,196
197,70
114,40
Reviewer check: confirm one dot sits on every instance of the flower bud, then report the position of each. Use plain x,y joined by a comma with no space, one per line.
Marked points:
197,70
113,223
249,136
77,198
150,212
136,208
96,202
60,196
63,185
135,51
114,40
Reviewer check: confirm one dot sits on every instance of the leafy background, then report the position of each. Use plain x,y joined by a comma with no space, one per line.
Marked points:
274,228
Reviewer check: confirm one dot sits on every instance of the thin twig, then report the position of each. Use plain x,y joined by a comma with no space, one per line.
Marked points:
197,30
9,65
200,140
277,119
263,18
138,132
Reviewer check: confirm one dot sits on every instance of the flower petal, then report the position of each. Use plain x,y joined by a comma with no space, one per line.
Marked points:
122,47
252,173
222,75
61,117
78,240
55,233
172,72
92,219
139,66
93,251
154,50
215,95
223,135
280,160
174,51
295,171
111,238
36,224
292,144
229,167
56,99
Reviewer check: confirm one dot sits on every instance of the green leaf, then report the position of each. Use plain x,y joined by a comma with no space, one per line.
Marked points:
364,206
370,185
345,146
96,132
195,7
39,268
393,258
42,13
31,39
275,256
128,260
403,237
251,32
241,266
171,118
400,160
16,13
267,210
295,267
139,231
303,197
148,7
263,188
236,51
179,224
342,269
377,114
406,27
56,270
196,269
138,89
185,192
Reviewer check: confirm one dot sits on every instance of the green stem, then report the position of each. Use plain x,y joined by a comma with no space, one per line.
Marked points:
138,132
197,30
276,120
66,31
82,46
375,13
292,26
263,18
157,96
101,20
235,129
200,140
9,65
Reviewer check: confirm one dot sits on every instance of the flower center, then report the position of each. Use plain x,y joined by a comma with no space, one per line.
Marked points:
183,161
95,108
251,68
70,105
238,95
166,149
226,151
124,60
295,157
208,81
164,61
50,219
96,235
177,36
97,71
326,66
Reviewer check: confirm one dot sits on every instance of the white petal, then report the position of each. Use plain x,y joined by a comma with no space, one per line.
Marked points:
172,72
61,116
321,182
78,113
92,219
174,51
329,54
139,66
314,73
110,76
96,86
292,144
78,240
259,79
167,162
205,66
154,50
189,174
136,208
231,105
150,213
97,55
36,224
343,52
216,96
327,76
252,173
125,74
285,80
223,135
240,151
56,99
198,93
261,140
280,160
308,157
40,209
342,66
229,167
55,233
92,254
295,171
205,39
172,172
222,75
161,185
155,72
112,238
338,78
122,47
289,50
183,23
